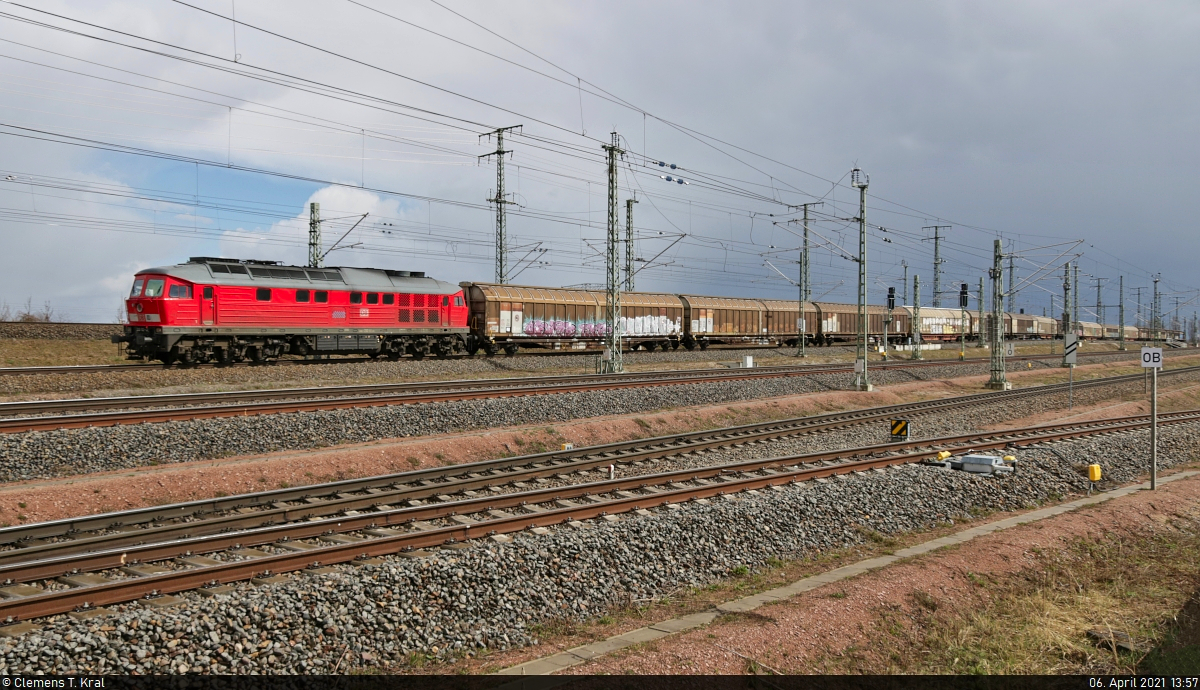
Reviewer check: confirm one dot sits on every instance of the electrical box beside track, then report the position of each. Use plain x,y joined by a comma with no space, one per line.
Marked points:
975,463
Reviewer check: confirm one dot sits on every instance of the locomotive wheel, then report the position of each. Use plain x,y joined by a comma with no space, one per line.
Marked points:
255,355
393,356
442,353
224,357
418,355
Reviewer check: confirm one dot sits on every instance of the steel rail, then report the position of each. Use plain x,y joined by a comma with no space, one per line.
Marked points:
62,601
302,400
540,464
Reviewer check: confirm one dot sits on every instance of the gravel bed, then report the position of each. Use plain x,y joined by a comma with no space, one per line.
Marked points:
379,371
49,454
497,596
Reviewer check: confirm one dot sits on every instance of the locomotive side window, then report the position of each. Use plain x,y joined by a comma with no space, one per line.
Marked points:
208,292
389,299
154,288
372,298
445,301
355,298
302,295
180,291
137,288
458,301
263,294
322,296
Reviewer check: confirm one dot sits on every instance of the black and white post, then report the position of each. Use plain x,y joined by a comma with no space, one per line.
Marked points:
1070,349
1152,359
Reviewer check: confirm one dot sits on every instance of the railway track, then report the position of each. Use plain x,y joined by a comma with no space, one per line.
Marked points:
121,368
118,368
45,415
158,550
552,462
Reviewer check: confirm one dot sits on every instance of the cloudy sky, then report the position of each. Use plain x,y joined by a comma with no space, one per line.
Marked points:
137,133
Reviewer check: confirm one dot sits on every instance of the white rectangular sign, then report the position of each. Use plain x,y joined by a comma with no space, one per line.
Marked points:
1009,349
1152,358
1070,346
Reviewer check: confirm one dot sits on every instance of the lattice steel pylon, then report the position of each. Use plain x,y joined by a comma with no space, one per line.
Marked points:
916,318
996,334
630,269
860,180
937,262
500,200
314,235
612,361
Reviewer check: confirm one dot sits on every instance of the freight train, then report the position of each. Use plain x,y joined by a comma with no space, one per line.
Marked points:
229,310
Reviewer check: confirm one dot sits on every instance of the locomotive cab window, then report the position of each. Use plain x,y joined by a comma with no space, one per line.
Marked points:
458,301
179,291
355,298
389,299
321,296
137,288
372,298
263,294
208,292
154,288
302,295
445,301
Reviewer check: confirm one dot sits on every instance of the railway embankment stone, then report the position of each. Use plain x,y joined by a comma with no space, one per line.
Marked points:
457,602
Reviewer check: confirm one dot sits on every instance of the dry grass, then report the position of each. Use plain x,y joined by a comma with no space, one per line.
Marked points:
46,353
1035,621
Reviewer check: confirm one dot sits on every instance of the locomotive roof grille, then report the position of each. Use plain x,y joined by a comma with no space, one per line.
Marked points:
249,272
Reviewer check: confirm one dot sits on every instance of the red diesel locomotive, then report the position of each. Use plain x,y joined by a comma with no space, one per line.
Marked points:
226,310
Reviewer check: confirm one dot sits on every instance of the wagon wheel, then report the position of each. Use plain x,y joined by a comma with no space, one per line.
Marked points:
511,349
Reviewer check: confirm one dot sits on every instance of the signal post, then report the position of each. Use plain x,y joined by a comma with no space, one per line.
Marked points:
1152,359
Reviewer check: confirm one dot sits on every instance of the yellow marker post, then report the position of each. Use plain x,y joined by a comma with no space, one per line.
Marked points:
1094,475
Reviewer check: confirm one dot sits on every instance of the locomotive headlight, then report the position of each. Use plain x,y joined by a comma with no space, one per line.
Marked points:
139,307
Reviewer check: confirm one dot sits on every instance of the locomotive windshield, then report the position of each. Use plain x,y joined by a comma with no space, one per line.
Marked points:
137,288
154,288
